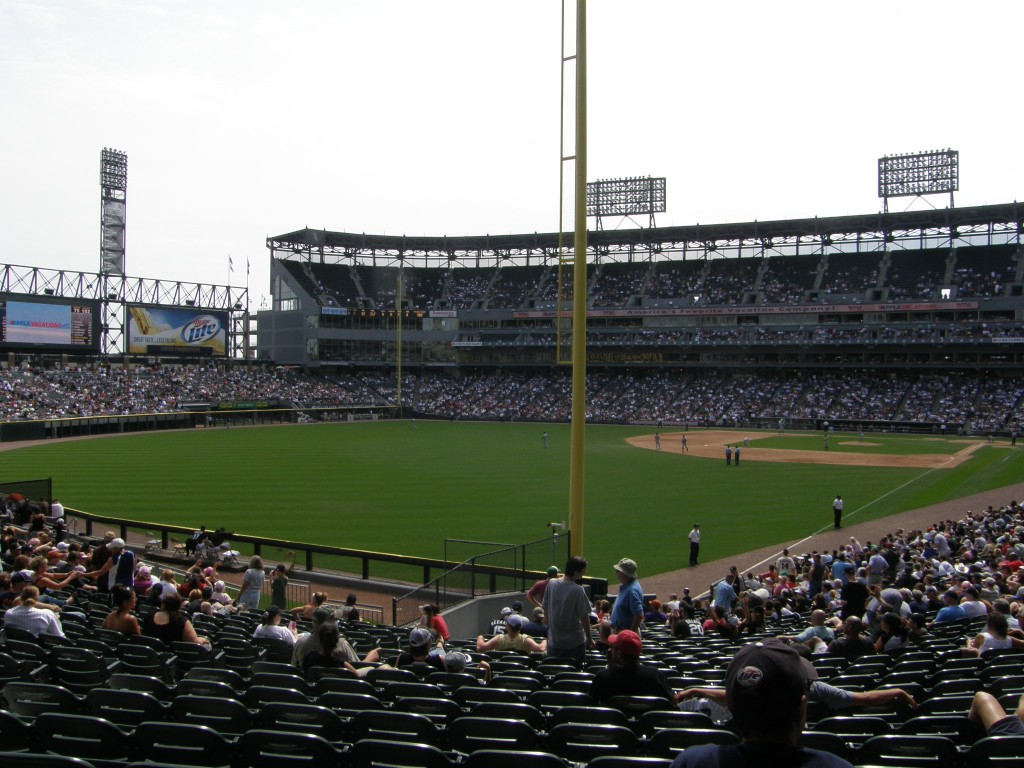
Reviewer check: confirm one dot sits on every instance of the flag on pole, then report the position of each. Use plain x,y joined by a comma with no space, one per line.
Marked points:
231,264
246,266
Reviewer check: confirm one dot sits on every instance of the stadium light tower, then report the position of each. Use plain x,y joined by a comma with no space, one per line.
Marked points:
636,196
919,173
113,199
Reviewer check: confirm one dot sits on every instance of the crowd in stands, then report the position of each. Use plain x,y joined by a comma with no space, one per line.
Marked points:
722,399
715,281
915,633
977,405
37,393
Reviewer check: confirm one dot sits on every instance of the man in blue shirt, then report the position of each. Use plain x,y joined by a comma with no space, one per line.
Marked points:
628,611
952,610
725,596
842,568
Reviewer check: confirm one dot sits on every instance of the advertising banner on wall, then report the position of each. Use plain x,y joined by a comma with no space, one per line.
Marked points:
176,331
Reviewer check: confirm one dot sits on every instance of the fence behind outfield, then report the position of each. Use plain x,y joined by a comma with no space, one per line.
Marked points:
205,417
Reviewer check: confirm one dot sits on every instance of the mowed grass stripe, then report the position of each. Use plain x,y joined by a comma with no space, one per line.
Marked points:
390,487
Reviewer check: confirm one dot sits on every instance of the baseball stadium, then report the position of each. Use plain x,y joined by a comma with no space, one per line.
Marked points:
731,423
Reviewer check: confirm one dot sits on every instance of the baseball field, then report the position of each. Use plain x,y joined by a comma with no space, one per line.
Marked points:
403,487
393,486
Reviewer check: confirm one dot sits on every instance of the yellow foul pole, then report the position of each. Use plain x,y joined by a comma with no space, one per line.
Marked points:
398,341
579,293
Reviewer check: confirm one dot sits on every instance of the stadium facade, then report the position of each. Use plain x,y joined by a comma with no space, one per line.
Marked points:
924,289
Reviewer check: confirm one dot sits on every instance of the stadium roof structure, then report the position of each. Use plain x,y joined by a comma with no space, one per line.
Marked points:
931,228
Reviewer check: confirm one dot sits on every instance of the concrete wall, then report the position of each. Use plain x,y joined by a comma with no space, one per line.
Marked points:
474,618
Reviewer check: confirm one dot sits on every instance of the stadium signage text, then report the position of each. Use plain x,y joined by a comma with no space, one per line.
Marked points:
625,357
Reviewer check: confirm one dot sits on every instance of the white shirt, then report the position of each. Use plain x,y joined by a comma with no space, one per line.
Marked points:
695,536
34,620
56,510
276,632
974,608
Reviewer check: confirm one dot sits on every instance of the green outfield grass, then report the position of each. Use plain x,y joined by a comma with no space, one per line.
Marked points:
390,487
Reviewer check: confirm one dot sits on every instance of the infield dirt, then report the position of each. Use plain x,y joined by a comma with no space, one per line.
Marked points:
712,445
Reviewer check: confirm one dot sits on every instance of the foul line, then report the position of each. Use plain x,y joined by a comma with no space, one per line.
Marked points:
772,558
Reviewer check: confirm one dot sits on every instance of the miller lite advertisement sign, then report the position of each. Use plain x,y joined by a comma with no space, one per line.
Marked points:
177,331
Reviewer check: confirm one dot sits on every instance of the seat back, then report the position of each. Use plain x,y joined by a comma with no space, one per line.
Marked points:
669,742
440,711
348,704
302,718
500,758
14,732
30,700
470,733
582,742
281,680
902,751
286,749
371,753
124,708
85,736
656,719
394,726
224,715
146,683
996,752
514,710
183,744
592,715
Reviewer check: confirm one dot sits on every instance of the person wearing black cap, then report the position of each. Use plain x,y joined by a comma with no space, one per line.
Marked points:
766,686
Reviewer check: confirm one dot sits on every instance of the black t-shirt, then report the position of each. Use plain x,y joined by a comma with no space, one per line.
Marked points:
405,659
855,595
851,649
629,681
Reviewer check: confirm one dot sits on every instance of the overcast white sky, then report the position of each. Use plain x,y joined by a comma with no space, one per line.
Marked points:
248,119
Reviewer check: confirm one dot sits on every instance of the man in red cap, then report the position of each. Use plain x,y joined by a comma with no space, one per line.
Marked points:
625,675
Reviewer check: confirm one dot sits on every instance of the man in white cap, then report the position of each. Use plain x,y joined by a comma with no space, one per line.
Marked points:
628,611
118,569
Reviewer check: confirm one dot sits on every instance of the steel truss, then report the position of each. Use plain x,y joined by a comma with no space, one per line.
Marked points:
114,292
950,227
